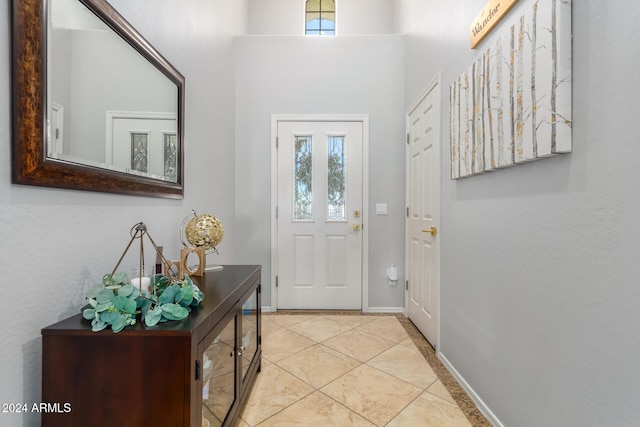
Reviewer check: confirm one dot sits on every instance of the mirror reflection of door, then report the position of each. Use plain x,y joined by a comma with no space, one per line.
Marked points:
93,70
56,129
143,145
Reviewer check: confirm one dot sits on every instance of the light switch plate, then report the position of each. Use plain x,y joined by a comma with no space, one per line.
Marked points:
381,208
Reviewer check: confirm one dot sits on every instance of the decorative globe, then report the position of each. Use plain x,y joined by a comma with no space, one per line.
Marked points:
202,231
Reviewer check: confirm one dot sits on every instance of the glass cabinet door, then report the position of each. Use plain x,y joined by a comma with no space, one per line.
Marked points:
249,332
218,377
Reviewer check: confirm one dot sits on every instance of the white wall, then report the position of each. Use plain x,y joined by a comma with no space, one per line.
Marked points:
314,75
540,295
280,17
56,244
271,17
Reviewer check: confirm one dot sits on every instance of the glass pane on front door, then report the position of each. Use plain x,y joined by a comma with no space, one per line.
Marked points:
303,179
335,179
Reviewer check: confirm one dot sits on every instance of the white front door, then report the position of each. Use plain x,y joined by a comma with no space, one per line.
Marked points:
319,215
423,215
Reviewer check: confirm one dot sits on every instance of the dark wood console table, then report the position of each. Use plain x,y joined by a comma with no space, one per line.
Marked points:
193,372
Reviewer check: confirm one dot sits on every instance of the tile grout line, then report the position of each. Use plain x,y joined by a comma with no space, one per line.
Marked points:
318,389
360,364
461,399
344,406
366,362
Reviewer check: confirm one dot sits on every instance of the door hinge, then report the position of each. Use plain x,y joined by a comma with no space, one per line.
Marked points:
197,370
407,211
277,141
57,133
276,212
406,285
408,138
276,281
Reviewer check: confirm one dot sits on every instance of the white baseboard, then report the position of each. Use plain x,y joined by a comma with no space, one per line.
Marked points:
383,310
269,309
491,417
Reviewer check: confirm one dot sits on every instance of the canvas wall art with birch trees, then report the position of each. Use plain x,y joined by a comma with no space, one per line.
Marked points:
513,105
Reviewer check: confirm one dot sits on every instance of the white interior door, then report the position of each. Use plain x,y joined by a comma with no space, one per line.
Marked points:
319,215
423,215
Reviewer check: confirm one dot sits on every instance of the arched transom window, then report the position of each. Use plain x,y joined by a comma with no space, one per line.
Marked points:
320,17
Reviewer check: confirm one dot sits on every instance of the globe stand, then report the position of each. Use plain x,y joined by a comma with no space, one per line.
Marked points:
200,234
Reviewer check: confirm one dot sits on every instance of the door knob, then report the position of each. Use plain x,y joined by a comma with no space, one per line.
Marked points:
433,231
356,227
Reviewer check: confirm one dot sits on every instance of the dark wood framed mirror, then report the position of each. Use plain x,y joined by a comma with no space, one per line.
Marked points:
64,83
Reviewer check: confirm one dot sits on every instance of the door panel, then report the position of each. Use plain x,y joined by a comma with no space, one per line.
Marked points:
319,262
336,269
304,255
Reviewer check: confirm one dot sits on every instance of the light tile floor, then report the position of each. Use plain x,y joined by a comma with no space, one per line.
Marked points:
326,369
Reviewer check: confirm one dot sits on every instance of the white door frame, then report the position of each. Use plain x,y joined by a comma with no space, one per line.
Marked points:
435,82
362,118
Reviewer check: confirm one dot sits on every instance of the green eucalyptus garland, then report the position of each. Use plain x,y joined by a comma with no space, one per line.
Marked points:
116,303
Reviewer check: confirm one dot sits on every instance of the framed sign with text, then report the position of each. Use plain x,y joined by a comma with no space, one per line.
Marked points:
490,15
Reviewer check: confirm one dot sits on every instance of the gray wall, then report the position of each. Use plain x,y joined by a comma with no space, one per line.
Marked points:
298,75
540,295
55,244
